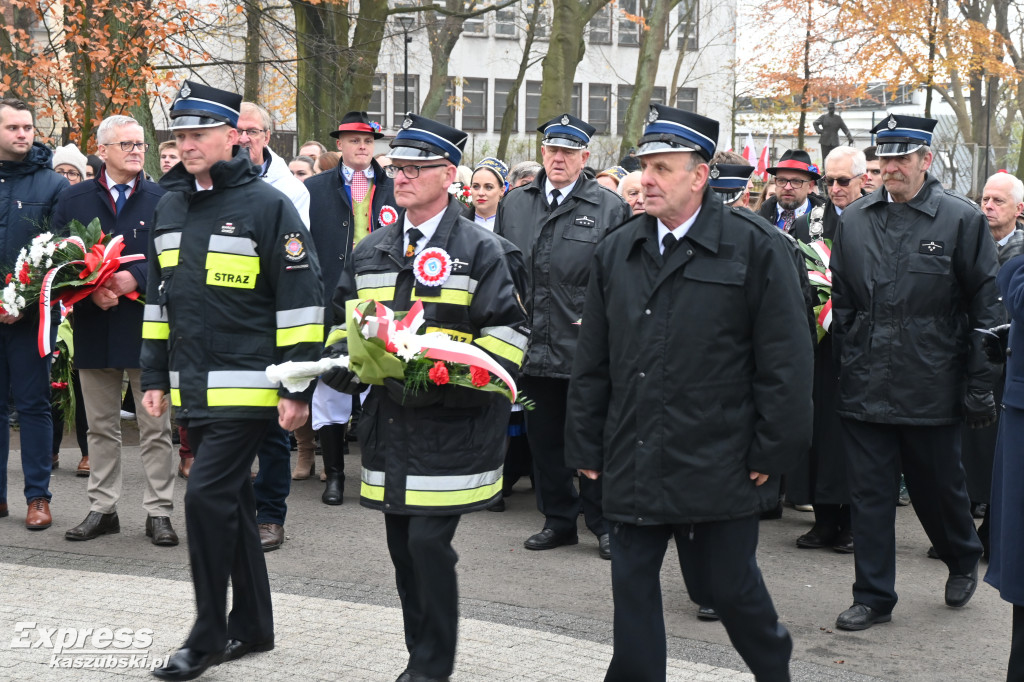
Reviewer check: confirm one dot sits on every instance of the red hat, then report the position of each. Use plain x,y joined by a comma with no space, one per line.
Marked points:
358,122
798,160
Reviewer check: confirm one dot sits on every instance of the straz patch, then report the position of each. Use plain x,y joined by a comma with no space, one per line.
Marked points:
228,228
235,280
294,249
584,221
454,335
931,248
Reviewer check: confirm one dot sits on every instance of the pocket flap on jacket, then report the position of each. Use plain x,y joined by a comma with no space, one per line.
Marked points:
716,271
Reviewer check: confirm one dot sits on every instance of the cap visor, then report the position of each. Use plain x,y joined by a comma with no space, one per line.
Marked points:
413,153
563,142
661,148
897,148
196,122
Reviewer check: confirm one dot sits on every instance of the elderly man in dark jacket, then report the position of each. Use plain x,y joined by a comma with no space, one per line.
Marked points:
913,273
28,190
557,221
108,336
689,397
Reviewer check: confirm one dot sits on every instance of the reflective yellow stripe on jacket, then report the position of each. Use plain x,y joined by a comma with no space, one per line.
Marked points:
504,342
155,324
237,388
232,262
167,246
300,325
437,491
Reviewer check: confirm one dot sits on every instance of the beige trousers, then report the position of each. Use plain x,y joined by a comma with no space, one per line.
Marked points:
101,391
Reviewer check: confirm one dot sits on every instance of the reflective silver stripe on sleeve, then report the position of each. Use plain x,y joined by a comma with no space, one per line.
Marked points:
171,240
300,316
238,379
174,379
449,483
462,283
376,280
370,477
242,246
154,313
506,334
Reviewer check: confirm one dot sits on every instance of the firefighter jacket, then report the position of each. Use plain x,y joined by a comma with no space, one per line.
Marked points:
446,458
234,286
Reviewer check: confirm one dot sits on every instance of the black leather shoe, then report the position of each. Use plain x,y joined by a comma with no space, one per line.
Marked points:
604,547
815,539
772,514
860,617
844,542
549,539
707,613
932,554
159,528
186,664
960,588
498,506
412,676
332,493
95,525
235,649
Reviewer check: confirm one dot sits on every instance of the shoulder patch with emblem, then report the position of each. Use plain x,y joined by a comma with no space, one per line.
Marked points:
228,228
294,249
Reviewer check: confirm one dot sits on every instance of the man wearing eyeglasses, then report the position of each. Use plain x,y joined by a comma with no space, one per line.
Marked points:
108,336
431,455
795,176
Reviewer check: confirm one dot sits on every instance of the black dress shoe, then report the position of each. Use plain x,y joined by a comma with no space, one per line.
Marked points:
844,542
498,506
772,514
604,547
332,492
186,664
932,554
235,649
707,613
412,676
159,528
95,525
860,617
815,538
960,587
549,539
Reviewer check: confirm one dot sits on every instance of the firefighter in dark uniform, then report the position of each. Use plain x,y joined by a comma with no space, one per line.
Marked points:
234,286
556,221
431,456
913,273
689,397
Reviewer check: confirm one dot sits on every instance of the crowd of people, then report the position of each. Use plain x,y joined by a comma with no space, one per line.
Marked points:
683,376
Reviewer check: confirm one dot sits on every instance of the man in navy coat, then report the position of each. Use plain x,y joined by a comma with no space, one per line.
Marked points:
108,335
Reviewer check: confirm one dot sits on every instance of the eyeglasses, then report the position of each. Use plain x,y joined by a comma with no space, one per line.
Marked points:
69,173
411,171
842,182
251,132
128,146
795,183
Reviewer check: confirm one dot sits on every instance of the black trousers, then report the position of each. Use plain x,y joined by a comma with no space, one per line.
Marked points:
557,498
421,550
719,566
930,461
1015,667
223,540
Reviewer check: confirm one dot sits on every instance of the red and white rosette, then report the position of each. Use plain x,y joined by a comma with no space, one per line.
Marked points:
387,216
432,267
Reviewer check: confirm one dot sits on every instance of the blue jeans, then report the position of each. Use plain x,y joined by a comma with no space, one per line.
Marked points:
26,376
274,480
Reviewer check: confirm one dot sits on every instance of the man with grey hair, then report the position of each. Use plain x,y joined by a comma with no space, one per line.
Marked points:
523,173
1002,201
108,335
254,130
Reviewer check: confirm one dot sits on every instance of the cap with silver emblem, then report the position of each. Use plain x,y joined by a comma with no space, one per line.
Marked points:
201,106
565,130
674,130
423,139
897,134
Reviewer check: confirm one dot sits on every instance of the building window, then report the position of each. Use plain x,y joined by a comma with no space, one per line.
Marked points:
686,99
446,112
625,93
543,27
629,26
658,95
505,23
600,104
689,23
474,104
532,104
601,27
575,106
378,107
502,91
474,26
399,98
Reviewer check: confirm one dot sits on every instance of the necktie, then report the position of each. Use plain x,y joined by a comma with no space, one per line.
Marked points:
122,196
670,243
554,199
359,187
788,217
414,237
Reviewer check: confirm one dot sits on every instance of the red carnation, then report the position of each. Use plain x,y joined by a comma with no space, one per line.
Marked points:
23,275
479,376
7,280
438,373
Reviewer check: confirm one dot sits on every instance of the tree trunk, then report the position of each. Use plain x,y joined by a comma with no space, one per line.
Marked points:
142,113
804,104
253,19
359,65
508,117
317,29
652,42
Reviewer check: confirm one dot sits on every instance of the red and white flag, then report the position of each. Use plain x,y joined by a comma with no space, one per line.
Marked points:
761,167
748,150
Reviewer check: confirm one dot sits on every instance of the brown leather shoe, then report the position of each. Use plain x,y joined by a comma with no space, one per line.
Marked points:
55,464
159,528
3,510
38,517
83,467
185,467
95,525
271,536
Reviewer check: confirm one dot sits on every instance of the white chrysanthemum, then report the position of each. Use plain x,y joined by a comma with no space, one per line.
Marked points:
36,254
49,262
50,248
21,302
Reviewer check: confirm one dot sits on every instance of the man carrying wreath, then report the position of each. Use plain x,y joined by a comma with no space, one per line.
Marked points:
430,455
